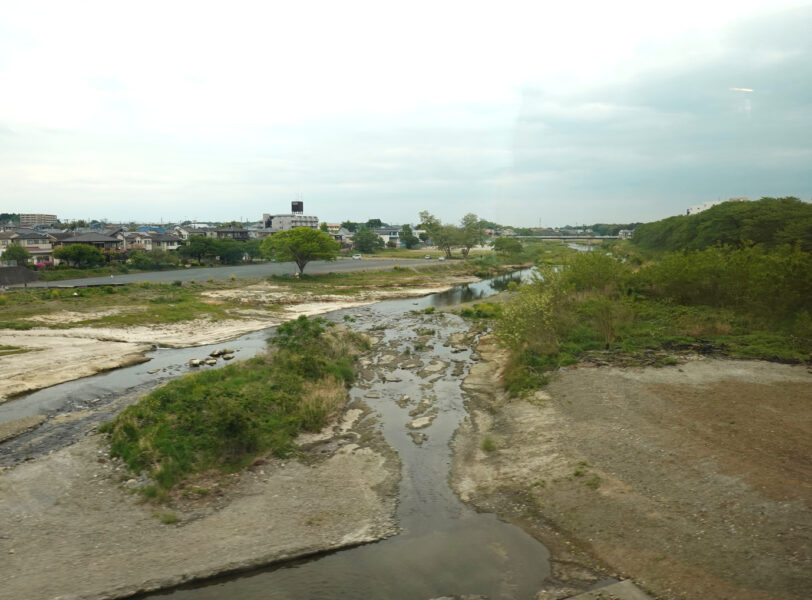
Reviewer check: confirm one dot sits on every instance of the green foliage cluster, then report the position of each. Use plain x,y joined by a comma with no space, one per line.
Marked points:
223,418
470,233
746,301
80,255
17,253
366,240
770,222
482,310
226,251
154,260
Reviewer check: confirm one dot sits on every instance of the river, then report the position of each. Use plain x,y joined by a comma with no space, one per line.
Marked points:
411,380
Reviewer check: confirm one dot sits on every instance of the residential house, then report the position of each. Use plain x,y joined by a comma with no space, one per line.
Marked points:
97,240
185,231
389,234
38,244
165,241
343,236
136,240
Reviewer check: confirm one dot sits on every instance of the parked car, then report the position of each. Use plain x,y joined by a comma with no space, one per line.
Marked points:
356,257
442,258
427,257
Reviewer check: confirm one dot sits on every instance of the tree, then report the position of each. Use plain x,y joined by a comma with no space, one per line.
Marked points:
323,227
252,249
428,221
375,224
80,255
154,260
350,226
507,245
366,240
300,245
471,233
445,237
229,251
408,238
18,253
199,247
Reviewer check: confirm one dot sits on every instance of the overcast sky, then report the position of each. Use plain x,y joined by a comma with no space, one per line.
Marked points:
524,113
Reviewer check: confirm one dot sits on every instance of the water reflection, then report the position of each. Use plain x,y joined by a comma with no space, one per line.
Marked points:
479,290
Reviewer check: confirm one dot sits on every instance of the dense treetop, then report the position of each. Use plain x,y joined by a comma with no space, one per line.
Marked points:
769,221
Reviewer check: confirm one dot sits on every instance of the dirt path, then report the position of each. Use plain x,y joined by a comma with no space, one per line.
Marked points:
71,528
695,481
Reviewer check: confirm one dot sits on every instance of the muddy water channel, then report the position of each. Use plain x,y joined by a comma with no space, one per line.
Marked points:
412,382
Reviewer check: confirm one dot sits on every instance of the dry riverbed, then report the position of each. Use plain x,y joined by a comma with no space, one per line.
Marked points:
57,355
72,526
693,480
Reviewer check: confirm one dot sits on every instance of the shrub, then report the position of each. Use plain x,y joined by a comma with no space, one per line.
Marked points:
223,418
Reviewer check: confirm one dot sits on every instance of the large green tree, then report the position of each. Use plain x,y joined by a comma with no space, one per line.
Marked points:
366,240
80,255
18,253
300,245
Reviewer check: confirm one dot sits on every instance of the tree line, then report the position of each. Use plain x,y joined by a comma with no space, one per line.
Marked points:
770,222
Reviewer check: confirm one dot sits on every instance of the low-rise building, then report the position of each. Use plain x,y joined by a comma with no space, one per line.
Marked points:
39,244
165,241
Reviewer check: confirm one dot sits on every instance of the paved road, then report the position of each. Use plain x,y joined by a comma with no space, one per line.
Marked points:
255,270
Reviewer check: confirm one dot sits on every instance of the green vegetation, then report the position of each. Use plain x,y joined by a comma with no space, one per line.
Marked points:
226,251
366,240
9,350
488,445
18,253
223,418
482,310
132,304
300,245
408,237
741,302
770,222
470,233
80,255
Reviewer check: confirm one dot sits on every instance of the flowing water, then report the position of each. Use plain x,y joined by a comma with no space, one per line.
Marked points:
411,380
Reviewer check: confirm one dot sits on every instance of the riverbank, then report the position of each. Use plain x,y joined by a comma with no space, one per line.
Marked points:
73,528
54,355
692,480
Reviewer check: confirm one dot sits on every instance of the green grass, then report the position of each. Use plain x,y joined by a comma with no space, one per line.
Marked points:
222,419
135,304
9,350
167,518
488,444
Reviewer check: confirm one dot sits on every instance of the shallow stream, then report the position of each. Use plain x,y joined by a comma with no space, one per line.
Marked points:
411,381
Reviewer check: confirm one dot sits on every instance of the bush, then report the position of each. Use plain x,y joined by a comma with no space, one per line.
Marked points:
223,418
